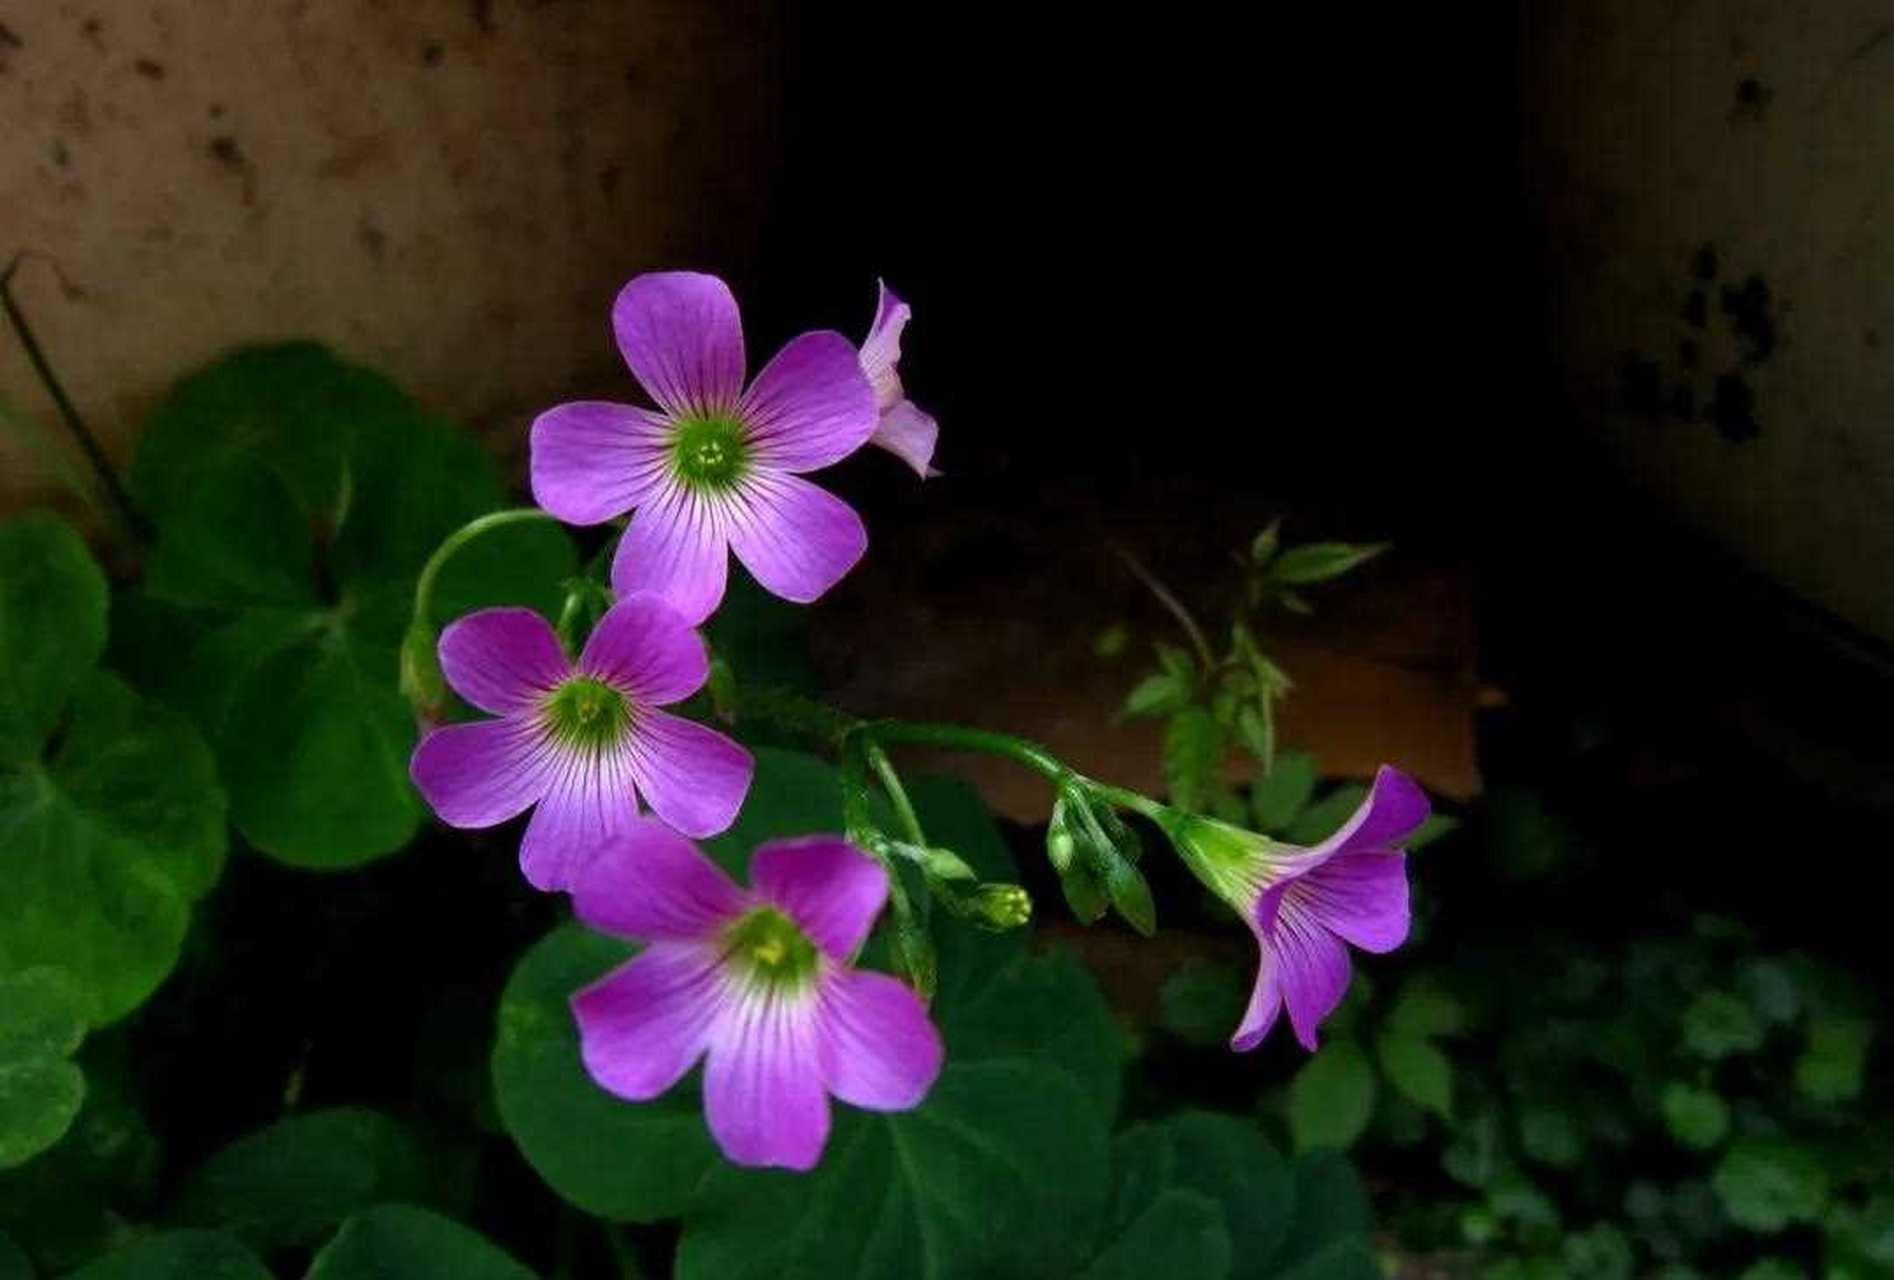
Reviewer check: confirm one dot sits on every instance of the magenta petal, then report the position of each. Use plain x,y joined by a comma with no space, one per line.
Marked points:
647,881
676,547
811,405
480,774
644,1024
795,539
591,799
644,646
1264,1006
692,776
826,885
909,434
592,460
1360,896
1311,968
763,1092
502,660
683,338
1395,807
878,1048
881,349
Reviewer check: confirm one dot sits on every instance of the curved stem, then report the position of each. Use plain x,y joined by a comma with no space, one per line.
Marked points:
897,794
960,738
424,586
1176,606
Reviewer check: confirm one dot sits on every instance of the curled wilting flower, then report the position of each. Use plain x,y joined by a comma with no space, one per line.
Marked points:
1305,905
581,741
905,431
756,981
716,468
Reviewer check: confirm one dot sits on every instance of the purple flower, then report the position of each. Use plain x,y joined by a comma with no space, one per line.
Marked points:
583,740
1305,904
757,982
905,431
716,468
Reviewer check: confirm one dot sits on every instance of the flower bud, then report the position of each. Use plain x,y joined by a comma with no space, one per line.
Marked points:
999,906
420,681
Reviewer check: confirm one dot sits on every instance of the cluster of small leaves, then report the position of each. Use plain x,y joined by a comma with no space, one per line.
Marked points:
1212,702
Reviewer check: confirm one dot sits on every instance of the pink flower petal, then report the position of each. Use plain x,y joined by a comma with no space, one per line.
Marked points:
692,776
647,881
643,1025
811,406
878,1048
1360,896
676,546
644,646
909,434
795,539
763,1092
1264,1006
591,798
481,774
1311,968
881,349
593,460
502,660
683,338
830,888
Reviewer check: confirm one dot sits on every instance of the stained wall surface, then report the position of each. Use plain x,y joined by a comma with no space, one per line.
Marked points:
448,189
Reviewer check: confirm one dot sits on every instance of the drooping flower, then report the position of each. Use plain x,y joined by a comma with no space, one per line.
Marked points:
581,741
904,430
716,468
757,982
1306,906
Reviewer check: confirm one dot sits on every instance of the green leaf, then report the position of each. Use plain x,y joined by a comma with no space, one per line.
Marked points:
1219,1157
42,1020
1601,1253
1770,987
1320,561
1158,694
1284,791
1830,1069
1202,1002
107,846
1436,826
397,1242
1418,1069
1332,1097
1330,1226
1424,1009
178,1255
613,1159
1194,748
42,1014
1264,548
1549,1135
1180,1233
298,496
1766,1186
1773,1269
1695,1117
39,1100
792,793
52,628
1325,817
292,1182
1718,1024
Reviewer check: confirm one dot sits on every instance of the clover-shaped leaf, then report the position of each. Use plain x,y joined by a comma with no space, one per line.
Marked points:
296,499
111,816
42,1020
397,1240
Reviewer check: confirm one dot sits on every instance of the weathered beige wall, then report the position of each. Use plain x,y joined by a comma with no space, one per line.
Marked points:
1654,127
450,189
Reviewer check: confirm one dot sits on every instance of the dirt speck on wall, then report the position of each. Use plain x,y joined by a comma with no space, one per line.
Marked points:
449,190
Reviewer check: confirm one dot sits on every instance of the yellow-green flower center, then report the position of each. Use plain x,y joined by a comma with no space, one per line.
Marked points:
710,453
767,946
587,714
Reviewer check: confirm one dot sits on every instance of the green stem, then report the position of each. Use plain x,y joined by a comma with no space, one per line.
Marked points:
1170,601
424,588
897,794
960,738
1133,801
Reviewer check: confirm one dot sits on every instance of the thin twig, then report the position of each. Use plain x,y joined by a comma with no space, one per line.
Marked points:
1171,602
135,524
